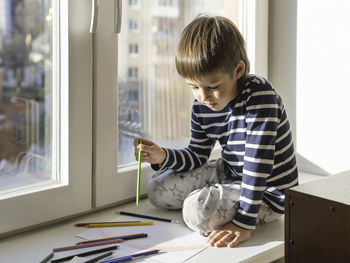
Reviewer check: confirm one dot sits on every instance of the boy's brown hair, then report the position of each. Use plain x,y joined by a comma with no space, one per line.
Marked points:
210,44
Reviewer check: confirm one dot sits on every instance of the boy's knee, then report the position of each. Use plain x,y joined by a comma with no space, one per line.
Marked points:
155,193
192,211
207,209
159,191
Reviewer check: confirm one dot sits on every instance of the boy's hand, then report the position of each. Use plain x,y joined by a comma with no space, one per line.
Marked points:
228,235
151,152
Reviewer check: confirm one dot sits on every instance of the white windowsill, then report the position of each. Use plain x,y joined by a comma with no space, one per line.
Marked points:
265,245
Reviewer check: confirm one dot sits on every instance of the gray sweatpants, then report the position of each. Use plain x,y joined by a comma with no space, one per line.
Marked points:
208,196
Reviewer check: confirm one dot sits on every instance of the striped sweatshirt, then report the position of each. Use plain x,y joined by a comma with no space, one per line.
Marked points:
257,147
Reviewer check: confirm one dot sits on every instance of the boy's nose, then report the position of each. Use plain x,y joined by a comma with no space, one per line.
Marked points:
203,94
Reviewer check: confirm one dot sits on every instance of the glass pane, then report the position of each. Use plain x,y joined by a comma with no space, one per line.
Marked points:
154,102
25,93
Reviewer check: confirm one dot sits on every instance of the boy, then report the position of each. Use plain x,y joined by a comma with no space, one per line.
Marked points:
224,198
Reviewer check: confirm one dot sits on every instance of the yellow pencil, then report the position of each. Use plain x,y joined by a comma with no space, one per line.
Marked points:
121,224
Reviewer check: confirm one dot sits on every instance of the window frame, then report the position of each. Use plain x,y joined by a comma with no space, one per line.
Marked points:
72,195
107,175
94,180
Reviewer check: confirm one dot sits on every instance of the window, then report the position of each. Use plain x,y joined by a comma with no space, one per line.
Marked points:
167,2
322,89
26,87
133,25
91,161
133,74
38,178
163,99
133,49
153,105
133,3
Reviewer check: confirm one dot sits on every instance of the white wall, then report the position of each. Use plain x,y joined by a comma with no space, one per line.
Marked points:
323,91
282,53
282,66
308,65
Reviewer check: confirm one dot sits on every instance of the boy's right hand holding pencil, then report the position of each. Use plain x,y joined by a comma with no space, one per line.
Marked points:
151,152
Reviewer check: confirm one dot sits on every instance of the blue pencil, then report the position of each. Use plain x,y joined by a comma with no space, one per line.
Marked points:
131,257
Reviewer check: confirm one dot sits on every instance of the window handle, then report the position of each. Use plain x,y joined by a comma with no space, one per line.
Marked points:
94,16
117,16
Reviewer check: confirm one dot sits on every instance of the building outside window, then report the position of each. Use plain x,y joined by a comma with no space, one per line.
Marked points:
26,88
36,85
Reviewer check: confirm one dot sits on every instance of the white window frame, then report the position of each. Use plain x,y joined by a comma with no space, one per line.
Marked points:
110,184
94,179
26,208
113,185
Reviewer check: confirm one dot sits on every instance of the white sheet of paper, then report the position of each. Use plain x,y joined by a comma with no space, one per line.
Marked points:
77,260
179,242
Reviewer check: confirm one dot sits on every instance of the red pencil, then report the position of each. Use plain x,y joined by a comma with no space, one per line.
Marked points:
86,224
88,245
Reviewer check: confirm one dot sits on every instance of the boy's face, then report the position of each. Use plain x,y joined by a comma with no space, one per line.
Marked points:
215,90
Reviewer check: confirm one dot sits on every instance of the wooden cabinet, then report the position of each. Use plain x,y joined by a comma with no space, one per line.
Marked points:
317,221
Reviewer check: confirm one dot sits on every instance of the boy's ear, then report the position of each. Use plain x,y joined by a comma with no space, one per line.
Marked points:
239,69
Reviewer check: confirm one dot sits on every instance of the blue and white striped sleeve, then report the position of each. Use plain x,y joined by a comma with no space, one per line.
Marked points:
262,119
191,157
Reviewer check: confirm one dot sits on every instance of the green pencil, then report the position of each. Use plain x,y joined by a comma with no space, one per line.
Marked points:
138,178
47,259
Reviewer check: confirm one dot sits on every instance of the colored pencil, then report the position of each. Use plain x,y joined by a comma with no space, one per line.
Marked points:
93,260
86,224
149,217
138,185
131,257
92,252
94,244
125,237
47,258
121,224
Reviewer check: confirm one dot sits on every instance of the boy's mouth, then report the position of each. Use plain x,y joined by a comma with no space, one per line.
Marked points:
211,105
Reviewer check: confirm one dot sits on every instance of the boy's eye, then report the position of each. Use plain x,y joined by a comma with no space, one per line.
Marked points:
213,87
